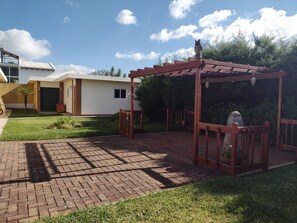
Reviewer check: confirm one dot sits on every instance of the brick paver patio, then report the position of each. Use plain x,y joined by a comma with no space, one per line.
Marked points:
48,178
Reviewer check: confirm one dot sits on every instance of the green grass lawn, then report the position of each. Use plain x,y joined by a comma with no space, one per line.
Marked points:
34,128
265,197
18,113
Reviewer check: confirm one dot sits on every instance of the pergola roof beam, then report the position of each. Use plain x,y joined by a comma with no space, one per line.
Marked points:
178,61
233,65
165,69
215,70
243,77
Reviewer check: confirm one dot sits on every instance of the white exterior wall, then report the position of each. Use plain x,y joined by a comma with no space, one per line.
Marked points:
26,73
19,105
68,95
98,97
49,84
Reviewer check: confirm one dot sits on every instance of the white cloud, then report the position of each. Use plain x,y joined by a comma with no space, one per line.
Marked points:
137,56
270,22
179,8
60,69
181,32
210,34
21,43
179,54
126,17
213,19
66,19
72,3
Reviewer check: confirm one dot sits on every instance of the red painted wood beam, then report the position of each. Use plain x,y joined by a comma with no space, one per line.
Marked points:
279,111
131,108
197,113
244,77
234,65
165,69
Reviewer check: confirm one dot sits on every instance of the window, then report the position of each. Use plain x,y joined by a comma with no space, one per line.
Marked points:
11,72
119,93
14,71
123,93
13,79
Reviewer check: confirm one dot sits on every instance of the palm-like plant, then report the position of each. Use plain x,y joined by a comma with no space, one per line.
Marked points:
25,91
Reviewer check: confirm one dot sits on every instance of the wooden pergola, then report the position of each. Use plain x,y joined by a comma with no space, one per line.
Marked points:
211,71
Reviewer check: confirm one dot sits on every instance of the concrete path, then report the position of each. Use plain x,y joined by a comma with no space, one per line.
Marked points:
48,178
3,120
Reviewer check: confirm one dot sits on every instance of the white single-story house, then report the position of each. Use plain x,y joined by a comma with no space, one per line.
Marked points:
83,94
74,93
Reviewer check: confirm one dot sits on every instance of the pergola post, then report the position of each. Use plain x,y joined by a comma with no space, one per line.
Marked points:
38,97
132,108
197,113
279,111
167,119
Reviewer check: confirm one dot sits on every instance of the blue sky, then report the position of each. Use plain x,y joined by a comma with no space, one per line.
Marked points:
130,34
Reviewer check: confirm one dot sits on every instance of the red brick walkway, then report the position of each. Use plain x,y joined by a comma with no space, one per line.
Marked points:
48,178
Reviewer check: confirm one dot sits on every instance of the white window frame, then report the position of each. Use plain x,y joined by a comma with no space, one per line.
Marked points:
120,95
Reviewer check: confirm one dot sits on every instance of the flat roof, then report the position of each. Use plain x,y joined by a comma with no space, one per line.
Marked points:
83,76
94,77
32,79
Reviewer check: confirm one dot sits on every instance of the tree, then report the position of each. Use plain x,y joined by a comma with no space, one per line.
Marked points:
119,73
260,51
236,51
288,61
101,72
288,64
265,52
112,73
160,63
149,93
25,91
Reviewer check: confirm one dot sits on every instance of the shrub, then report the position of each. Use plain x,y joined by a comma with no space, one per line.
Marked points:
66,126
64,122
115,117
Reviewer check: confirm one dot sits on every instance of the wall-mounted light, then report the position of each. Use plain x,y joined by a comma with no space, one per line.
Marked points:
207,84
253,81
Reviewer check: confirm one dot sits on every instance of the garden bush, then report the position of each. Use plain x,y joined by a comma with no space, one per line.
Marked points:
64,122
115,117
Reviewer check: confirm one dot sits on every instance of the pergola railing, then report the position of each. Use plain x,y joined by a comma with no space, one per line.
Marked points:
183,119
288,134
125,122
254,143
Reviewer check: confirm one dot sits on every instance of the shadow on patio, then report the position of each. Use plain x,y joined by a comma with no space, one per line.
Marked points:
47,178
